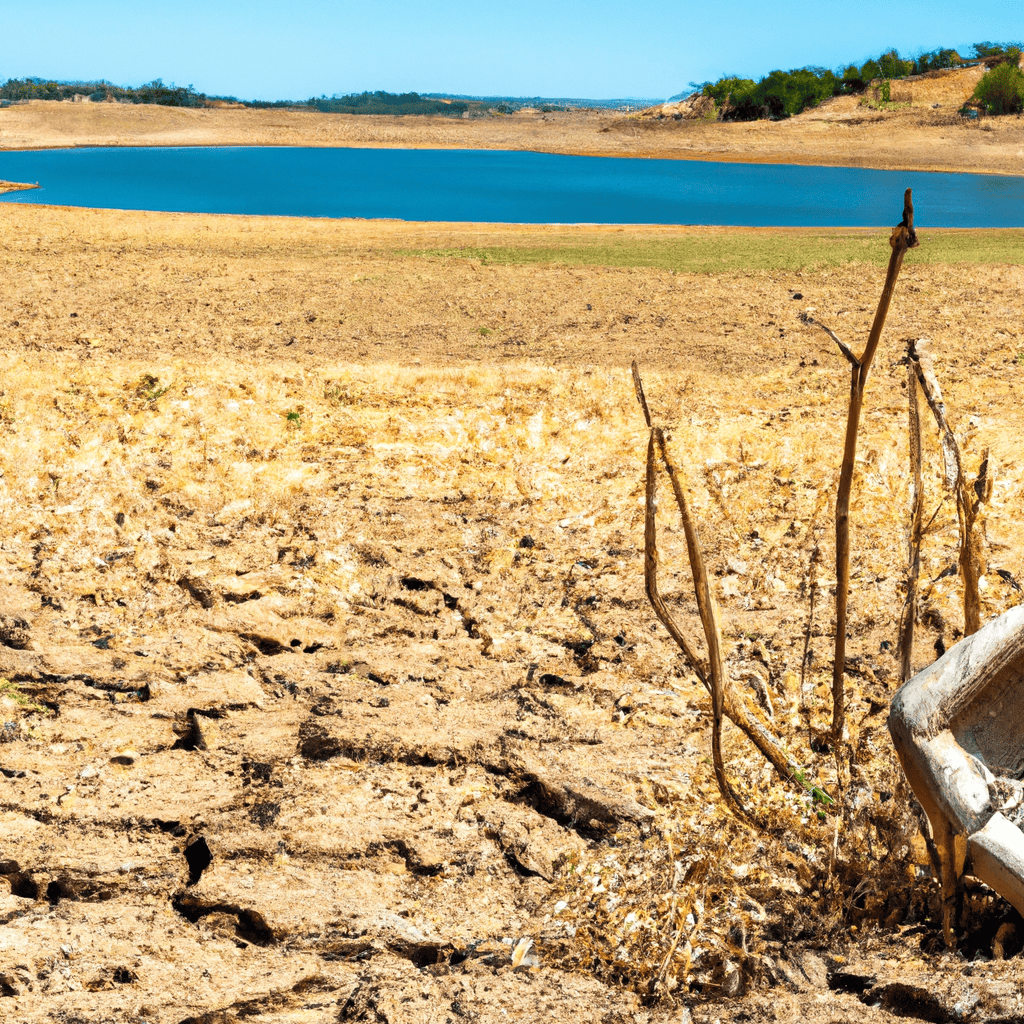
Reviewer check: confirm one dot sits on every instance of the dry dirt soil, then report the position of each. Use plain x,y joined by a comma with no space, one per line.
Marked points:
926,134
330,689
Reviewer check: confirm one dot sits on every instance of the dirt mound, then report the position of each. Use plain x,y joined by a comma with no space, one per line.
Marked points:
694,106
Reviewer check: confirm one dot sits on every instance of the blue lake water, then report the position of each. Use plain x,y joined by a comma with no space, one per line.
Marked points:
492,186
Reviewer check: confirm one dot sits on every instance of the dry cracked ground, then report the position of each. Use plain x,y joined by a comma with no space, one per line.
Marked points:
330,689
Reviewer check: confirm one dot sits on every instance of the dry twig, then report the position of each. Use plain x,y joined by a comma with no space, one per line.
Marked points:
903,237
969,510
708,611
906,641
711,673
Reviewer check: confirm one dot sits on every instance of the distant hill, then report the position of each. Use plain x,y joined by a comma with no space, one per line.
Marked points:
377,102
554,102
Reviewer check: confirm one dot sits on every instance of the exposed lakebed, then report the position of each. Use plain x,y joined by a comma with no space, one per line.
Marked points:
495,186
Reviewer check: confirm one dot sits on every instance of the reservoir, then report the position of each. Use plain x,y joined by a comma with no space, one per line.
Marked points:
496,186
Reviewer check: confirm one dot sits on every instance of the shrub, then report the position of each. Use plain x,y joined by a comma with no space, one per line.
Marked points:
381,102
1001,90
779,94
852,83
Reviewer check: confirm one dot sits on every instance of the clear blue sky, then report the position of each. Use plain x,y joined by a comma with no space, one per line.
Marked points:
258,49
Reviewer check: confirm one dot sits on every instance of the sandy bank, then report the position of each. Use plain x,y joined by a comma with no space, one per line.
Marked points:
15,186
839,133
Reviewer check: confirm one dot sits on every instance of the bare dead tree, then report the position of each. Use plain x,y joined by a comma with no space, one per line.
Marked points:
903,237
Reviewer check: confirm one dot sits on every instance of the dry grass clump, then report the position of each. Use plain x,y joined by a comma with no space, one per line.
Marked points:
98,457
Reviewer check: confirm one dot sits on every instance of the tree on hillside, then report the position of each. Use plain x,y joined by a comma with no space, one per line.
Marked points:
731,91
987,49
936,60
1002,89
869,70
892,65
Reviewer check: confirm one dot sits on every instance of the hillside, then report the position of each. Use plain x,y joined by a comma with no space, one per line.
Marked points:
840,133
950,87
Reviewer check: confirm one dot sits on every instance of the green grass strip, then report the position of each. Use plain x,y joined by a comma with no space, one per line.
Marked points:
743,250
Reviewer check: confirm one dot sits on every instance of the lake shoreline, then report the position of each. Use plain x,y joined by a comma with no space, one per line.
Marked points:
839,133
497,187
768,159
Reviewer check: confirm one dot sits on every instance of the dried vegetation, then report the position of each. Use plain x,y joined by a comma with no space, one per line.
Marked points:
337,607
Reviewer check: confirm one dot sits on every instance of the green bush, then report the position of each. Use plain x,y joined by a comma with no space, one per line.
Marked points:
779,94
870,70
1001,90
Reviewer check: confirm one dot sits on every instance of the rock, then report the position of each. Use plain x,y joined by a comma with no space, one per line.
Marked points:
423,855
582,800
527,848
198,589
14,632
230,689
951,995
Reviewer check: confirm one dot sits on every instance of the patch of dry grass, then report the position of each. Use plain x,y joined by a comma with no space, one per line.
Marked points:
153,430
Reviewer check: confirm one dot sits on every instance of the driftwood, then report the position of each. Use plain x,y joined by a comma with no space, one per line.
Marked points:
903,237
957,730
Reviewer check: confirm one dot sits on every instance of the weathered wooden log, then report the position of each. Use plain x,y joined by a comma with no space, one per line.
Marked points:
958,728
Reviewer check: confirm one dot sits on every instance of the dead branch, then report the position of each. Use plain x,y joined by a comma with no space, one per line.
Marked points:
906,641
708,611
651,570
968,509
638,386
711,674
812,587
903,237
